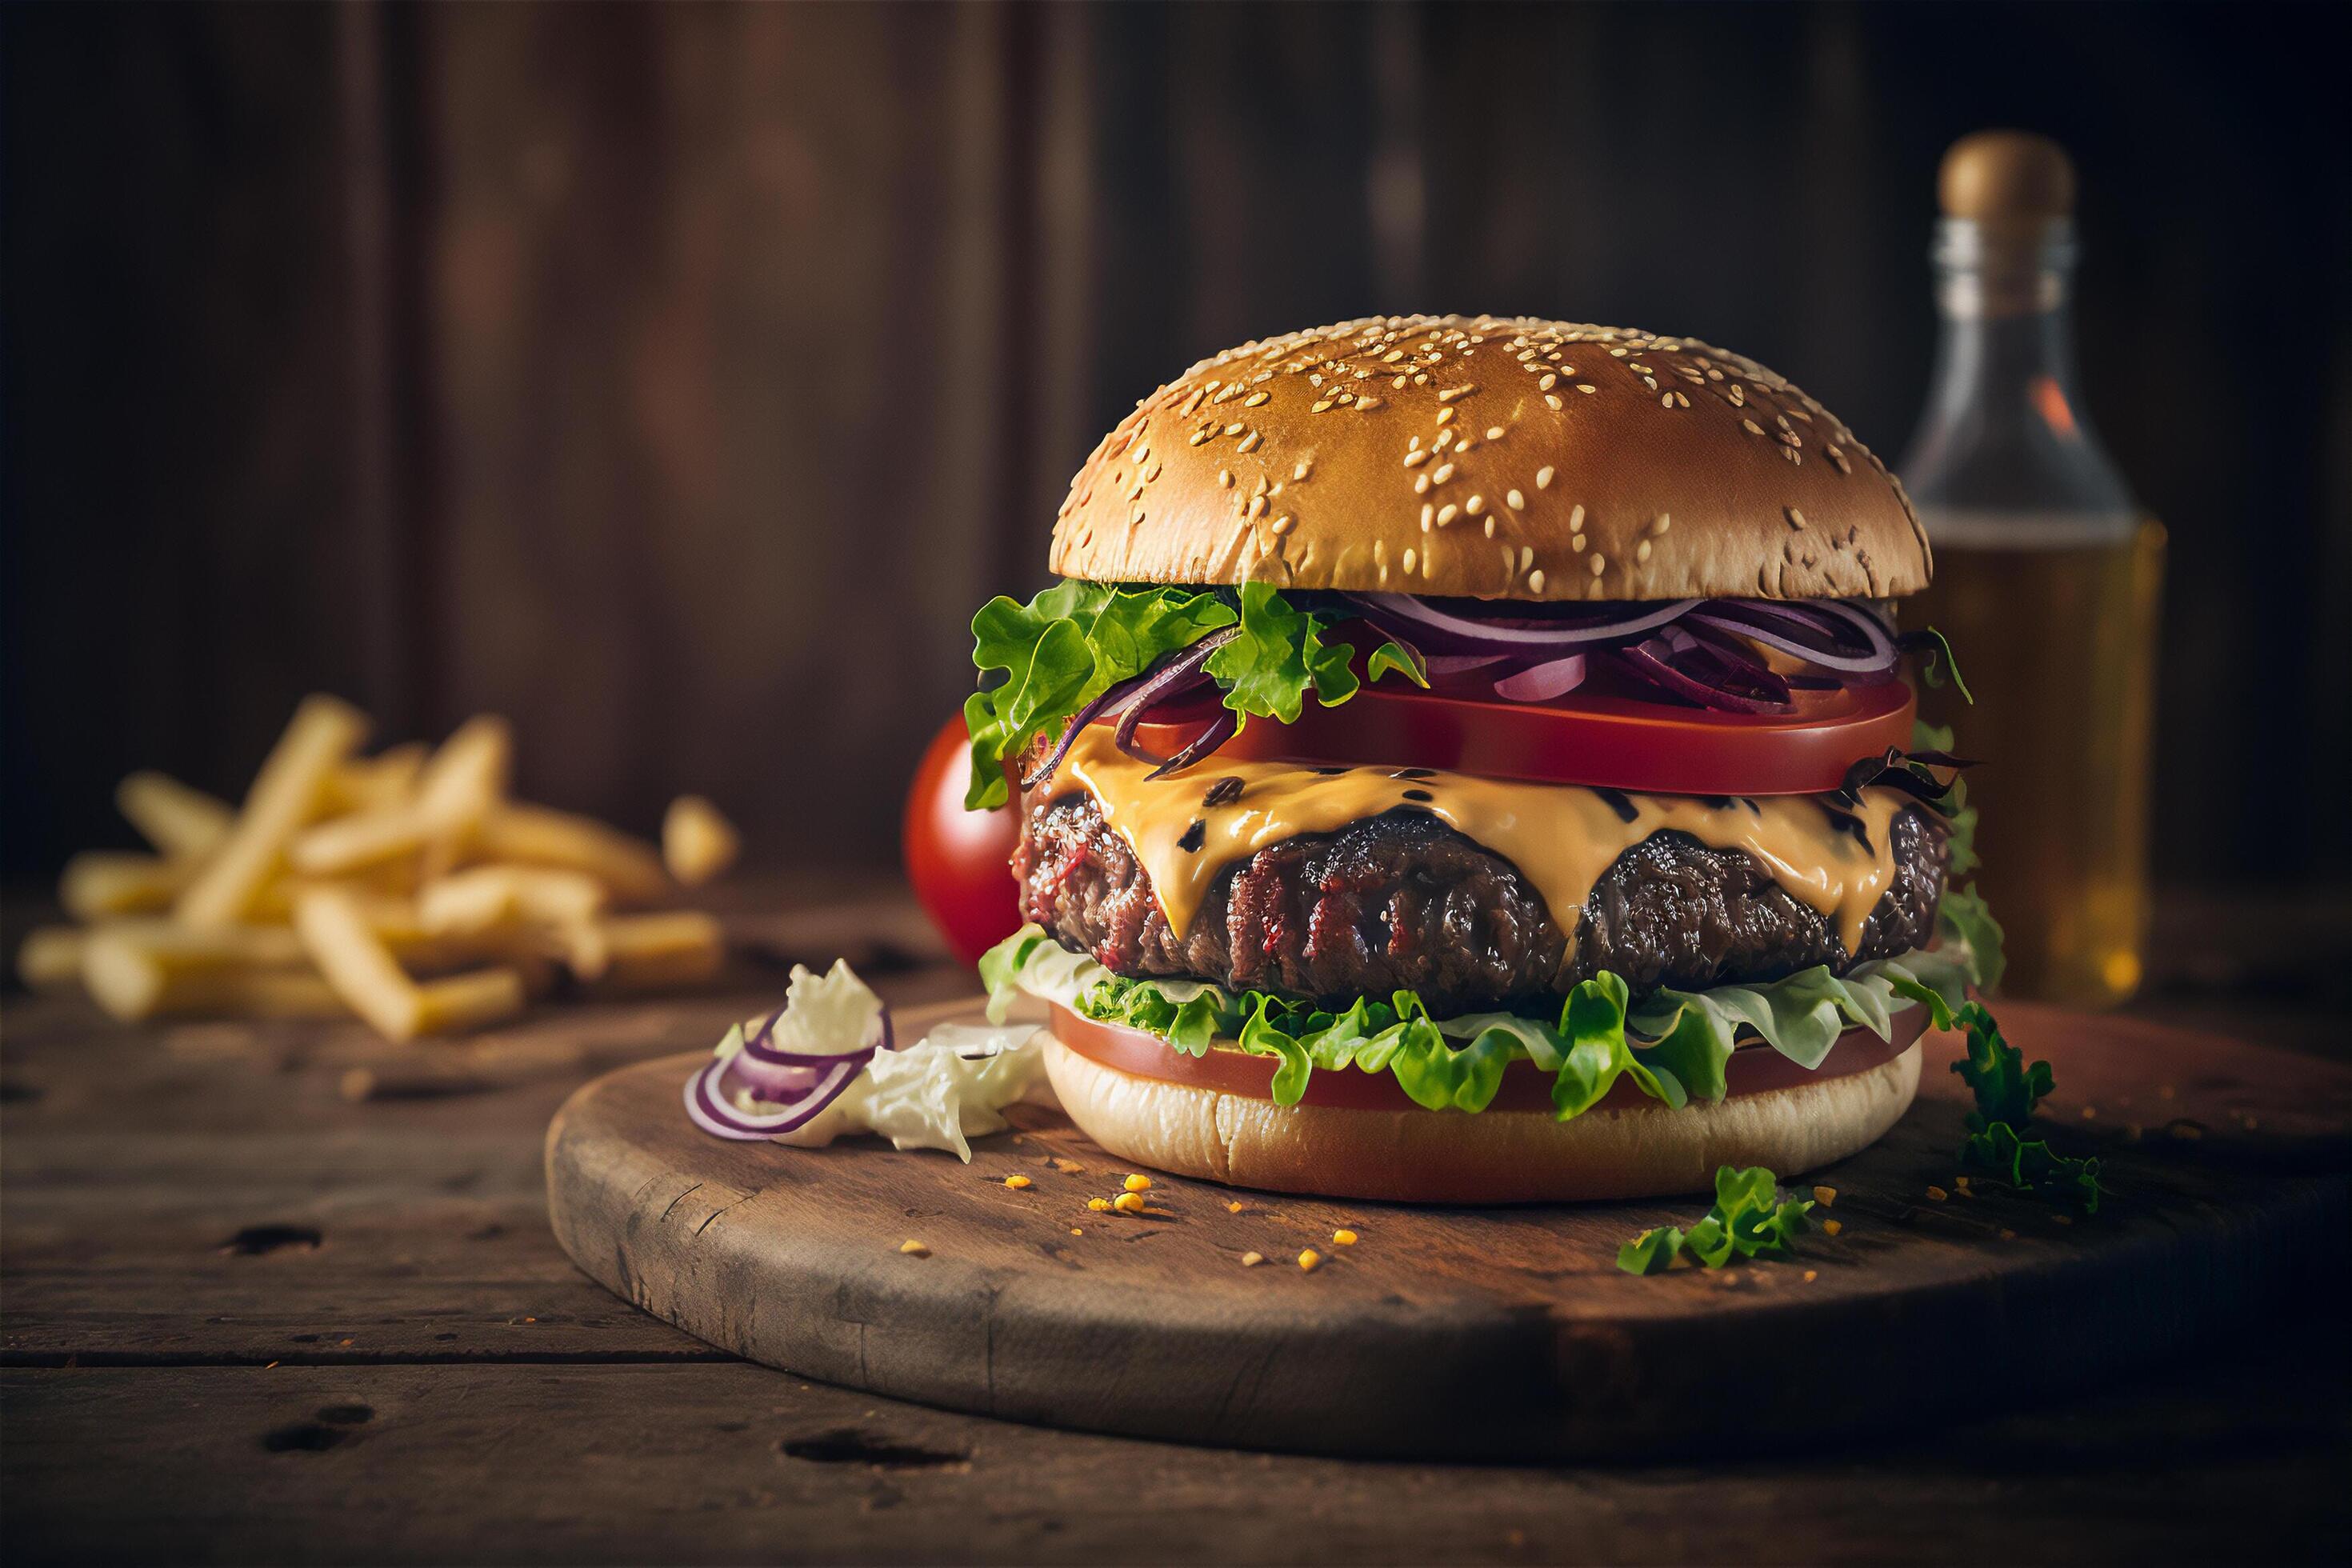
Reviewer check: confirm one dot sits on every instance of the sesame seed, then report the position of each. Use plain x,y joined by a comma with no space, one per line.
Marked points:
1543,479
1796,518
1254,398
1548,383
1442,472
1409,557
1320,406
1224,478
1234,429
1527,556
1576,543
1249,443
1300,473
1415,460
1494,432
1663,522
1281,525
1490,526
1446,514
1421,484
1586,387
1575,517
1256,506
1444,415
1514,500
1451,393
1536,581
1641,551
1752,428
1475,505
1600,563
1667,399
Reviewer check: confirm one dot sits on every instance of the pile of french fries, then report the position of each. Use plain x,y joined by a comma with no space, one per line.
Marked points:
405,889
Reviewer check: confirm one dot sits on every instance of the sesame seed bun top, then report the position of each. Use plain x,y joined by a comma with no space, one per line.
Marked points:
1490,458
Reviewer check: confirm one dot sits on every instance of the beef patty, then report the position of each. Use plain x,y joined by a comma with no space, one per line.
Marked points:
1400,901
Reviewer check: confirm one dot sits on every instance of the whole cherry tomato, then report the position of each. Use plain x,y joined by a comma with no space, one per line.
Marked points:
959,860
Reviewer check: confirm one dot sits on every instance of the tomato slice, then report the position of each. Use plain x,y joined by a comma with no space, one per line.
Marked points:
1605,739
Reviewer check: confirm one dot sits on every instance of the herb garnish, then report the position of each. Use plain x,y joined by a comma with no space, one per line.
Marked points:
1750,1219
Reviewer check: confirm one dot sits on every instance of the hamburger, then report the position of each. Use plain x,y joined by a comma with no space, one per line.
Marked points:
1469,759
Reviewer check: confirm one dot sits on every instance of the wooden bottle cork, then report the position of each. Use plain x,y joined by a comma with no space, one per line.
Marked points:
2006,177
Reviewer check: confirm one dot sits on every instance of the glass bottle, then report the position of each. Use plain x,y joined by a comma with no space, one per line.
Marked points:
2047,576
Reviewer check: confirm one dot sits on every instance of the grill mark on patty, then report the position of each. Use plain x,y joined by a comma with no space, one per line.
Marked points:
1402,901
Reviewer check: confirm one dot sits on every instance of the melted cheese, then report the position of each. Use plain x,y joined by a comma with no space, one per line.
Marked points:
1560,836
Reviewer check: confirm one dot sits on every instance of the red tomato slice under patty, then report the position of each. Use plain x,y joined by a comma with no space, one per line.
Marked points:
1605,739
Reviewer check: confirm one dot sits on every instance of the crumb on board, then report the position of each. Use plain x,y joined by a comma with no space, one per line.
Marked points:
1128,1203
1016,1182
1234,1207
1825,1196
1343,1238
1252,1259
1309,1261
1137,1183
1832,1227
1099,1206
1067,1166
1811,1275
914,1249
1937,1193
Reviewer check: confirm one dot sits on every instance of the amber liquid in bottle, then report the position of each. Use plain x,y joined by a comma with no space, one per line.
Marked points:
2047,577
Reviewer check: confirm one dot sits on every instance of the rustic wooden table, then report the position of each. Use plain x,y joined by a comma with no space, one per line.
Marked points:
249,1316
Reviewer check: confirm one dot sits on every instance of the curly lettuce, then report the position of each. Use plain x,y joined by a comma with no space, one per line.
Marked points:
1672,1045
1076,640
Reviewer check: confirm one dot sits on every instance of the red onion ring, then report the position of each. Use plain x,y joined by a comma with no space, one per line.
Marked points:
706,1106
1480,635
1542,682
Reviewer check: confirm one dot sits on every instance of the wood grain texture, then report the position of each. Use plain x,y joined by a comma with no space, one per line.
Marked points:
1470,1333
736,1464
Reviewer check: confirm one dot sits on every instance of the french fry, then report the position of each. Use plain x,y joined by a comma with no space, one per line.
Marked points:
285,796
536,835
366,784
697,842
147,968
183,824
99,883
645,953
360,965
487,896
50,959
462,782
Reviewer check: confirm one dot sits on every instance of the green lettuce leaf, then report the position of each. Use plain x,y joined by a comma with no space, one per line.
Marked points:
1060,651
1672,1045
1750,1219
1076,640
2031,1166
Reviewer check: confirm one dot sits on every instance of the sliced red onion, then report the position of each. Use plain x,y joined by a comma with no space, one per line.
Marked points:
708,1107
1226,725
1446,666
1476,636
1171,681
1542,682
1651,660
756,1045
1872,663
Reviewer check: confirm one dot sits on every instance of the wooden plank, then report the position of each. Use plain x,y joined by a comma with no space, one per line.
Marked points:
1485,1334
2239,1458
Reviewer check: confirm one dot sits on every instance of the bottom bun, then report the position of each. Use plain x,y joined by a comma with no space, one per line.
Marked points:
1492,1157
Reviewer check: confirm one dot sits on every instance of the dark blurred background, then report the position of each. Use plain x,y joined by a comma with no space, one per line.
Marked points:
679,379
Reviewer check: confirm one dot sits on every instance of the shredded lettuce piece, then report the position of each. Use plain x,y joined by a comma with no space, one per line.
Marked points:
1672,1044
1750,1219
2007,1090
1076,640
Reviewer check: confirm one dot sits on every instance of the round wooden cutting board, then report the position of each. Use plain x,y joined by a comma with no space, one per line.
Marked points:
1475,1333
